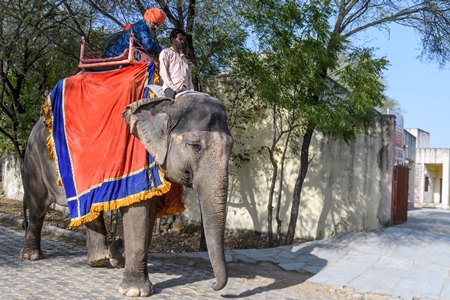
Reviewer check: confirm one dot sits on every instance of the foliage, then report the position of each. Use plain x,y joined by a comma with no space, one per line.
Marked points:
305,74
308,72
39,46
430,20
243,111
217,33
23,46
391,104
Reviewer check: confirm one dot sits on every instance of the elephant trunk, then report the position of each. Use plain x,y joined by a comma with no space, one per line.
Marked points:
213,200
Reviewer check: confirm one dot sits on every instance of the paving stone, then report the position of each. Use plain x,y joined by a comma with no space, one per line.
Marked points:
244,258
292,266
370,282
312,269
405,262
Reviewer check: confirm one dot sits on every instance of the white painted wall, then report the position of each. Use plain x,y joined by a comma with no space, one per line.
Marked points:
11,178
435,163
422,137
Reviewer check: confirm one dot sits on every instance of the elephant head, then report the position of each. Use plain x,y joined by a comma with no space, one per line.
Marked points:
190,140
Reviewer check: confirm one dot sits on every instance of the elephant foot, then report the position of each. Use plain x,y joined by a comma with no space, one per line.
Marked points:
97,259
136,287
31,253
117,254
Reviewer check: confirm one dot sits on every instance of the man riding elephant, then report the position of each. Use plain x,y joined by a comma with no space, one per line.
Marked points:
143,30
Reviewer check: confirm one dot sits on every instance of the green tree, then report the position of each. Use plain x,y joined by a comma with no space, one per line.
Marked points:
306,64
289,77
393,105
429,18
39,45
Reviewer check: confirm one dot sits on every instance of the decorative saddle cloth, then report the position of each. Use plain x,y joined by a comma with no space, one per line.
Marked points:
99,163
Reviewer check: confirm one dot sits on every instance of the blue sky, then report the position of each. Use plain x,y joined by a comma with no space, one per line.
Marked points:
420,88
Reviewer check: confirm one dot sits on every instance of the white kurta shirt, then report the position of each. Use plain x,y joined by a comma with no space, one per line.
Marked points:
174,70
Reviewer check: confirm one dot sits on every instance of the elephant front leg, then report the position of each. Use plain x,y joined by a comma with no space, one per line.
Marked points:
136,220
97,249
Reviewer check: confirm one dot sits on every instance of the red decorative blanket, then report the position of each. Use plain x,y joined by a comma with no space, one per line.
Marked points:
100,164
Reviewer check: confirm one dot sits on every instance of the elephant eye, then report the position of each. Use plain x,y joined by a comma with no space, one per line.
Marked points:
195,147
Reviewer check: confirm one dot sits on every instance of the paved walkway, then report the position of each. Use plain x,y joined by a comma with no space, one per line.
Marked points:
407,261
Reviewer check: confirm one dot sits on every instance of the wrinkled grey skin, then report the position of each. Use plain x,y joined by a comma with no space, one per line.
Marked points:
190,140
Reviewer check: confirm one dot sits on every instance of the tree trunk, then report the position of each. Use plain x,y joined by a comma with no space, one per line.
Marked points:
190,52
270,202
277,215
304,162
274,179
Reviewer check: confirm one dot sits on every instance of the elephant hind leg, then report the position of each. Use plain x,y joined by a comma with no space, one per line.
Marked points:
117,254
96,244
32,245
31,249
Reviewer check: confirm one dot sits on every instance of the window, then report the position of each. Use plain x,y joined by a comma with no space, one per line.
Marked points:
427,183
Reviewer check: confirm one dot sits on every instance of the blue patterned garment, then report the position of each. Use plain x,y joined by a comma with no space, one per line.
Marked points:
141,32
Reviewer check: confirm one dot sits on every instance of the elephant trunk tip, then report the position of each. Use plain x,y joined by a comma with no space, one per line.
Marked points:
219,284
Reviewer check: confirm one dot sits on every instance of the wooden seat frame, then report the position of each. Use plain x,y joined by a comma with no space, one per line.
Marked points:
130,56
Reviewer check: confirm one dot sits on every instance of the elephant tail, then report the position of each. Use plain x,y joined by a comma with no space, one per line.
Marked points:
25,219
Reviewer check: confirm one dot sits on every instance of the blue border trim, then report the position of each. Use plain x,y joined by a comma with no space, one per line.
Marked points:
59,137
145,180
150,72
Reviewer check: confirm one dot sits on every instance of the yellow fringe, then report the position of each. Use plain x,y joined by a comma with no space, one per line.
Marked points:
171,211
48,122
155,78
80,221
156,74
47,115
50,146
99,207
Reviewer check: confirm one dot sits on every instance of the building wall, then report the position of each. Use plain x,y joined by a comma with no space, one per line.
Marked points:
433,163
419,185
348,187
409,142
422,137
11,178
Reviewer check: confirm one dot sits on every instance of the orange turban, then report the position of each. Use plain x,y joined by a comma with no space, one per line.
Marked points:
154,15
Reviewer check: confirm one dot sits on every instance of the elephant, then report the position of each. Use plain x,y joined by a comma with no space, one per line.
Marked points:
190,141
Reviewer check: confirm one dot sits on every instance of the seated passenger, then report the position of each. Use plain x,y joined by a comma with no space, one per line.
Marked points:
173,66
143,30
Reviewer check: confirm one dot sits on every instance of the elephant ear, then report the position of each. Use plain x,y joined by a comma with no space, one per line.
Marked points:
149,122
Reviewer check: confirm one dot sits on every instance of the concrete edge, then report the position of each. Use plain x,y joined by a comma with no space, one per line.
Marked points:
46,228
422,228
